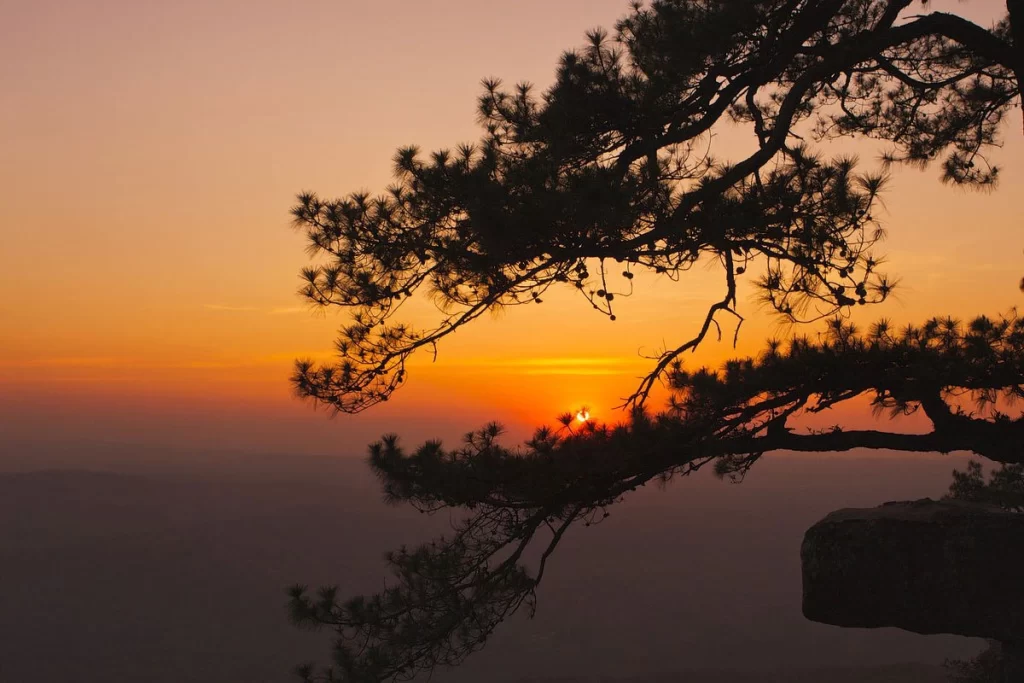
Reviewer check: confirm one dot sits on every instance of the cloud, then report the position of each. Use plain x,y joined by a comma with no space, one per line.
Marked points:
134,364
232,309
576,371
279,310
64,362
596,365
574,362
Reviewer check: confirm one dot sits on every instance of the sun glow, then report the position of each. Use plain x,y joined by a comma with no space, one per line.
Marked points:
582,415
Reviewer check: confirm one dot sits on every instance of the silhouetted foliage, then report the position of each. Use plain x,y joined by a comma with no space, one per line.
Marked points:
451,593
612,170
1005,486
957,374
985,668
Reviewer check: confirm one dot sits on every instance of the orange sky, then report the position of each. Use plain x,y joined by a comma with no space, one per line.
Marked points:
152,151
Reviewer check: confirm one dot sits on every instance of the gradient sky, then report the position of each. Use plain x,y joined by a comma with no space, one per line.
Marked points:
151,152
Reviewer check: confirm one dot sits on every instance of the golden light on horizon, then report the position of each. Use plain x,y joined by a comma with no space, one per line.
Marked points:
199,224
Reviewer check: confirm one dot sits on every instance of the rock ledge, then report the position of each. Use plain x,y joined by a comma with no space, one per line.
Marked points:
925,566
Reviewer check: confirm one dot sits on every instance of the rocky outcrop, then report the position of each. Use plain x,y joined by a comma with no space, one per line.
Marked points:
924,566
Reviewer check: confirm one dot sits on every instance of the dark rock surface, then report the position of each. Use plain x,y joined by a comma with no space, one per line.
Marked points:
924,566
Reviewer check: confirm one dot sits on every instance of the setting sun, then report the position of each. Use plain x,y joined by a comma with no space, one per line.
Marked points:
582,415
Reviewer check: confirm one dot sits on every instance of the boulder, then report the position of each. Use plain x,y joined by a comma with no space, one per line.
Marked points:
925,566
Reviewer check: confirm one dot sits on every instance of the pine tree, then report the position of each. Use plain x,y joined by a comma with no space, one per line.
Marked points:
611,172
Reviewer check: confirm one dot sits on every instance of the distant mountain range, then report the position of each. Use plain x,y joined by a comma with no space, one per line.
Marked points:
179,574
898,673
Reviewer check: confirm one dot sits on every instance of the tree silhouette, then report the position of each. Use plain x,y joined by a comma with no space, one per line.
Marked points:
1005,486
450,594
611,172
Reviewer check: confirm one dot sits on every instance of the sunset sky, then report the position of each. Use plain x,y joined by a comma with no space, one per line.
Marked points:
151,153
